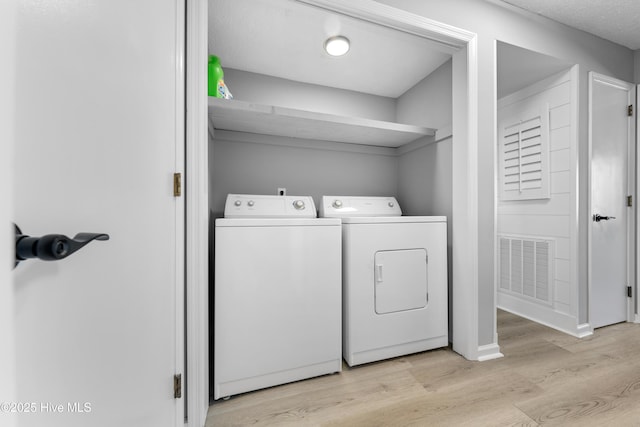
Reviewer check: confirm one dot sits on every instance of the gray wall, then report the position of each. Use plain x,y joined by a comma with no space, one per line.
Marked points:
491,22
245,163
259,164
269,90
636,66
424,173
428,103
424,188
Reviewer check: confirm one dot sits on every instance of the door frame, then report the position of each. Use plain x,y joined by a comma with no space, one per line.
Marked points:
631,186
463,45
197,215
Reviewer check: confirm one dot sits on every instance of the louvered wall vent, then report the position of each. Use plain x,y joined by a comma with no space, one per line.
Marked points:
524,155
525,267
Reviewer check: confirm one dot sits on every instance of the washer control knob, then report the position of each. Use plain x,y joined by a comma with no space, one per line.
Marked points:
337,204
237,203
391,204
298,204
250,203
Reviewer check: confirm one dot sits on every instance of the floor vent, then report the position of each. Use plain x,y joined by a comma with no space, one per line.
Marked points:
525,267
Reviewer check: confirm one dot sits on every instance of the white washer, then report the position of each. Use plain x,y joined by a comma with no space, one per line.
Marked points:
277,308
394,278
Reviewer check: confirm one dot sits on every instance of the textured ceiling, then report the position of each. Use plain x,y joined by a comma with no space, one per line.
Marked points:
614,20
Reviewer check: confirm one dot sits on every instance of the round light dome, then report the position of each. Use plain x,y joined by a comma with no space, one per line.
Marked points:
337,46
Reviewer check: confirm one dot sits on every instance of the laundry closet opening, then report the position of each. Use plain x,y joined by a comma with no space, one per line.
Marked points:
374,122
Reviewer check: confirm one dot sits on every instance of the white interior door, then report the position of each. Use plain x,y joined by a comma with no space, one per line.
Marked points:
99,135
612,178
8,11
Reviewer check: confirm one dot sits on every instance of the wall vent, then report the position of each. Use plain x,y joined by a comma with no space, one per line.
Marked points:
525,267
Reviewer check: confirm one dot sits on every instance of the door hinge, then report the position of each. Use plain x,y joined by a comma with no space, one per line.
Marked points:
630,110
177,184
629,291
177,386
629,201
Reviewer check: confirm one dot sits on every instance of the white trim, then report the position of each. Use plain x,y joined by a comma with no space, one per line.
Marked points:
575,229
537,87
489,352
543,315
584,330
637,216
465,202
494,153
197,216
588,213
179,233
450,38
631,217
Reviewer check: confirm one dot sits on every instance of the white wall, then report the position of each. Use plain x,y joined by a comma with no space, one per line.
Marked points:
636,66
552,218
532,32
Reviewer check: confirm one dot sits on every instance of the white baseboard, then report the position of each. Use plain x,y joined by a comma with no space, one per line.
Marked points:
544,315
584,330
489,352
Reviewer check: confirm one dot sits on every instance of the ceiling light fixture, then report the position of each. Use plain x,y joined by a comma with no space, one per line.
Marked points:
337,45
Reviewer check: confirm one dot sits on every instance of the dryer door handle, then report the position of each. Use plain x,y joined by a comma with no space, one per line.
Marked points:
378,273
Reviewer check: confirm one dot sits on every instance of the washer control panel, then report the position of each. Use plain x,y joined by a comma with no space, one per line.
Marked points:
265,206
353,206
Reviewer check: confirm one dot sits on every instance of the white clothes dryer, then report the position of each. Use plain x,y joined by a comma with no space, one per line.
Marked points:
394,278
277,308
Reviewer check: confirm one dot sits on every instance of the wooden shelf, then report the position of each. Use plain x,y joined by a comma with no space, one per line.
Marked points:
241,116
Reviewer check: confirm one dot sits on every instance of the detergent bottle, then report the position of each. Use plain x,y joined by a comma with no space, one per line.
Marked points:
216,77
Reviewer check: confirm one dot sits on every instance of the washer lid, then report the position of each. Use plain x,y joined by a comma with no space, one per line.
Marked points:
352,206
263,206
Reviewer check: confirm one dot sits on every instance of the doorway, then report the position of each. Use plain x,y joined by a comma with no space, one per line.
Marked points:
464,168
536,177
612,189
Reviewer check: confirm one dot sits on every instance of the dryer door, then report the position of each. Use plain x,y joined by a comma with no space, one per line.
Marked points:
400,280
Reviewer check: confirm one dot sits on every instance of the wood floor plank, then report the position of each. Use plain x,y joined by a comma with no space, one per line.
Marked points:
545,378
315,406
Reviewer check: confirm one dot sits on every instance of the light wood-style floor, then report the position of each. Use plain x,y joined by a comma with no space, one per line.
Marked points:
545,378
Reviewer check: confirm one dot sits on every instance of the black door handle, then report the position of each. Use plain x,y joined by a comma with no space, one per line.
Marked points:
51,247
598,218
